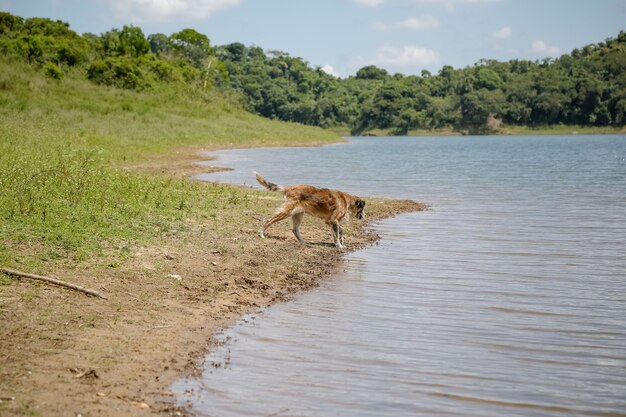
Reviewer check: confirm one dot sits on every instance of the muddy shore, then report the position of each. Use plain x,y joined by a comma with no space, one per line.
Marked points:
63,353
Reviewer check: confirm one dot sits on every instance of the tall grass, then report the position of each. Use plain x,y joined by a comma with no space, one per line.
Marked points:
62,197
72,207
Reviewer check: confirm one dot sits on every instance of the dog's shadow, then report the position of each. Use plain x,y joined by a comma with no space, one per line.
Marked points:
327,244
286,237
308,242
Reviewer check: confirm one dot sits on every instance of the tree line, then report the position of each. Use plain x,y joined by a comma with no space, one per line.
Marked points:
585,87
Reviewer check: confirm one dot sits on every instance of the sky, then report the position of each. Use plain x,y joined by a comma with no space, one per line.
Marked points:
341,36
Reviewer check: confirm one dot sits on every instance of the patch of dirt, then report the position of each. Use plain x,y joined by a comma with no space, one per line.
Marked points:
179,163
63,353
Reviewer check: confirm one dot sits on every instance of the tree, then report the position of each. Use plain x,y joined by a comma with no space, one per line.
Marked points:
111,44
408,119
488,78
236,52
193,46
477,107
371,72
547,108
159,43
133,42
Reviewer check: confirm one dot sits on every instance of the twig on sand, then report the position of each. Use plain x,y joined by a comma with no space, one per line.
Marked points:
21,274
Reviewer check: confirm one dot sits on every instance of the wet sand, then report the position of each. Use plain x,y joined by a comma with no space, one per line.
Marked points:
66,354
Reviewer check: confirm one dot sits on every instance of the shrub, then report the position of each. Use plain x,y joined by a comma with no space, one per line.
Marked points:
32,48
191,74
52,71
71,52
10,23
122,72
160,69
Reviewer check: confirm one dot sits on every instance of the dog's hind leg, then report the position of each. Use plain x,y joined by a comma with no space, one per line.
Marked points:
281,214
297,220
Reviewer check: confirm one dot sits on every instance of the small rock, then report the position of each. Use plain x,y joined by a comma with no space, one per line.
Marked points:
175,276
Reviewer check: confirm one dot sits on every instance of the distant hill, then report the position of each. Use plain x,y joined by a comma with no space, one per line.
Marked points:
586,87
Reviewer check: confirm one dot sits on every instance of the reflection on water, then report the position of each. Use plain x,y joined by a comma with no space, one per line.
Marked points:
507,298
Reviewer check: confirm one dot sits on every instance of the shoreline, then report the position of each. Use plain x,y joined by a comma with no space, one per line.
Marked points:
504,130
118,357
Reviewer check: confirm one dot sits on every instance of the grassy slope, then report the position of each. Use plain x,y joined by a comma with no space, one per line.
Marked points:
129,124
62,198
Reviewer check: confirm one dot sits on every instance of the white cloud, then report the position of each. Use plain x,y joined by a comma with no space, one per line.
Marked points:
161,10
503,33
328,69
415,23
369,3
451,5
425,22
405,56
540,47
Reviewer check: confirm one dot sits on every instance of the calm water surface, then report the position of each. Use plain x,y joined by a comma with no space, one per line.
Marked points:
508,298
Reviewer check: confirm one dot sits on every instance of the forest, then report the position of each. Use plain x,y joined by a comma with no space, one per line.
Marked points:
586,87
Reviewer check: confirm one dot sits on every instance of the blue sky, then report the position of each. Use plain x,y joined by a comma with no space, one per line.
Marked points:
342,36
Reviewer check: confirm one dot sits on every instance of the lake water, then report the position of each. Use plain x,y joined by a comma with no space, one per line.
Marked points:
507,298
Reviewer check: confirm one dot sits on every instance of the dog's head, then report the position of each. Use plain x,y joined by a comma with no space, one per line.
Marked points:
359,209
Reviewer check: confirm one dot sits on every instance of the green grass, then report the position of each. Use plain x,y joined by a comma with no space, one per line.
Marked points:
128,124
64,198
562,130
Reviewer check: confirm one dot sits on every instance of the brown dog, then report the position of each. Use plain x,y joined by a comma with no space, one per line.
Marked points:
333,206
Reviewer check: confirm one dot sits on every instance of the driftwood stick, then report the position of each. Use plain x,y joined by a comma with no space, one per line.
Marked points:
17,273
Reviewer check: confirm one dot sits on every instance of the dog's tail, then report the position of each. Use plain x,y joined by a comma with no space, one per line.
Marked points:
269,185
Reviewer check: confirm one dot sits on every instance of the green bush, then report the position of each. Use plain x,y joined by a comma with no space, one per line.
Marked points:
71,53
121,72
160,69
52,71
33,48
191,74
10,23
140,73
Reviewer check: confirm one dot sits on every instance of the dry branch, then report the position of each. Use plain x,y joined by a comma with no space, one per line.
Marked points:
21,274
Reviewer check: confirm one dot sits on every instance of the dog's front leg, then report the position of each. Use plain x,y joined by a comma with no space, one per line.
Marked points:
337,234
341,240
